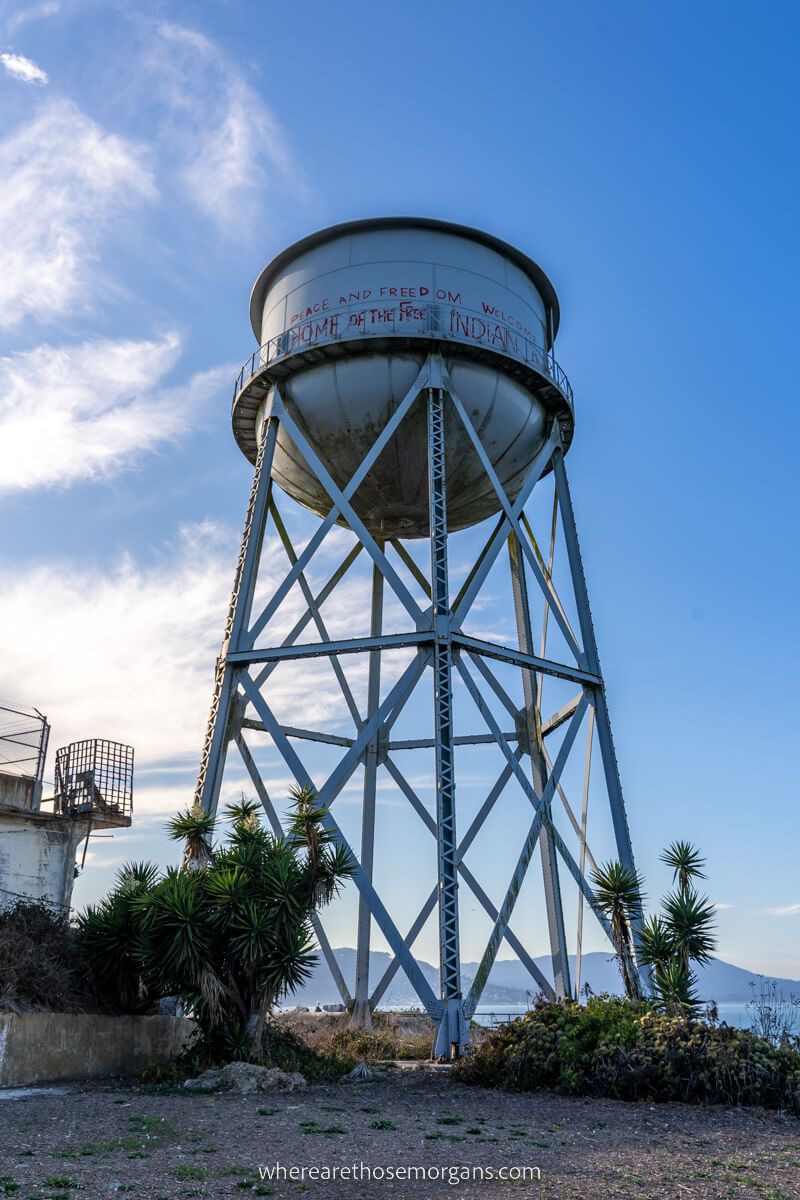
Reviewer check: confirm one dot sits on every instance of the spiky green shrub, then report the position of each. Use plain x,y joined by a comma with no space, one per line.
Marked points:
618,894
667,943
630,1051
230,933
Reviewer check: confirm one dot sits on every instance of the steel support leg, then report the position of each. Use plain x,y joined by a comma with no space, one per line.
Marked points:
603,721
219,732
533,731
451,1037
362,1010
587,774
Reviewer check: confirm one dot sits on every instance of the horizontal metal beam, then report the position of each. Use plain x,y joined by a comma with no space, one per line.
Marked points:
463,739
415,638
531,661
243,658
308,735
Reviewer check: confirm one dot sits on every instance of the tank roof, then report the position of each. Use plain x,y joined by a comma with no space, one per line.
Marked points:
532,269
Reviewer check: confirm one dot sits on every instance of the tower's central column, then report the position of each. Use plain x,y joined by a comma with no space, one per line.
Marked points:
451,1035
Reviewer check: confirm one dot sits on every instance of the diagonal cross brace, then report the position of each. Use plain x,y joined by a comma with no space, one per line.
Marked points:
308,596
543,580
428,907
582,882
476,889
542,813
319,600
381,442
327,793
384,715
353,520
532,724
497,539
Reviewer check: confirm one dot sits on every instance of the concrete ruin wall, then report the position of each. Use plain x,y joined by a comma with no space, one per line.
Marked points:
19,791
48,1047
37,858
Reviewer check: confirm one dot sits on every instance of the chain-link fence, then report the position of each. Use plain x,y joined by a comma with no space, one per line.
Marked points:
23,742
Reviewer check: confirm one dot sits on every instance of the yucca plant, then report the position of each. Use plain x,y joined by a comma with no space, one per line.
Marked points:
230,933
618,894
656,945
675,988
682,934
687,864
111,935
194,828
690,921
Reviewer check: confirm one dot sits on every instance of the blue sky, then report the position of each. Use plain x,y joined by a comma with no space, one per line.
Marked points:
154,158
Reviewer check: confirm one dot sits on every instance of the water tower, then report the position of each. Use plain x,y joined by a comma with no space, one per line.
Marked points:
405,388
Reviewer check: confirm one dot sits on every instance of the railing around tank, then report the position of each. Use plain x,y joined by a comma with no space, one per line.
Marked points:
414,319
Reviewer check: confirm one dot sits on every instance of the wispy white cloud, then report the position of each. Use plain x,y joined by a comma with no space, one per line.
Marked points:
64,178
108,407
23,68
122,652
720,906
35,12
787,910
127,651
233,156
179,35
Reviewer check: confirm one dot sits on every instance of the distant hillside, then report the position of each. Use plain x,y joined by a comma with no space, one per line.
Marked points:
509,982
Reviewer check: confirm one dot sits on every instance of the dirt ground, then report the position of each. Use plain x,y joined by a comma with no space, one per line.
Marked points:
103,1141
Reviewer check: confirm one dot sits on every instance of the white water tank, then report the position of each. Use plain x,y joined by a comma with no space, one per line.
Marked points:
345,319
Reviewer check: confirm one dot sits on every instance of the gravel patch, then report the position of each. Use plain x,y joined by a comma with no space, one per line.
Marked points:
101,1141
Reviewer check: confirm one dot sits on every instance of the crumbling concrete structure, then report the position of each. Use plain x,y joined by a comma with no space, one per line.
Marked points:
39,838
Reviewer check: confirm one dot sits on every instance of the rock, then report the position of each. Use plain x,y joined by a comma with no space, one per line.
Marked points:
245,1078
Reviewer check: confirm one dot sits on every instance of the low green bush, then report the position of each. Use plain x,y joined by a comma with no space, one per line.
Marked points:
629,1051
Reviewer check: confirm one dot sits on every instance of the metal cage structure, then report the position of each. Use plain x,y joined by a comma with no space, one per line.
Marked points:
534,689
94,779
